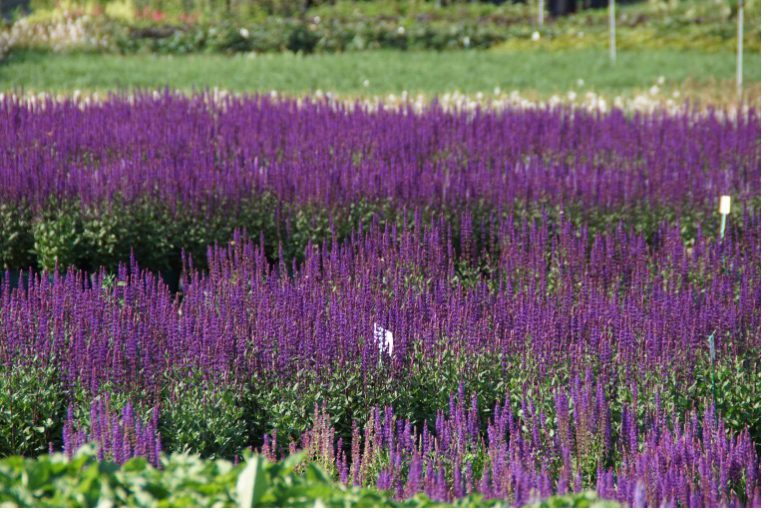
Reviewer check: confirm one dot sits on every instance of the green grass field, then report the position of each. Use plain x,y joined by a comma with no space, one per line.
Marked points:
380,72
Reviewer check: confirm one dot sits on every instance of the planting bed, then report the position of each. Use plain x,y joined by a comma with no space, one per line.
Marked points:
506,304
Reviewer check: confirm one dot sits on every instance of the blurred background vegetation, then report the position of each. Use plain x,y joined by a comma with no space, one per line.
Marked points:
230,26
356,47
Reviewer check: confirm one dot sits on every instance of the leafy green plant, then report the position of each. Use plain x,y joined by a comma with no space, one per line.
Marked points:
105,238
32,408
16,240
59,239
577,500
205,419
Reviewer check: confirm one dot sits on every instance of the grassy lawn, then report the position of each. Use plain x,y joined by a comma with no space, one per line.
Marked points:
542,72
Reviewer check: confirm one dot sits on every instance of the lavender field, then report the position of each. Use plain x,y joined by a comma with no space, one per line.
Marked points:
511,303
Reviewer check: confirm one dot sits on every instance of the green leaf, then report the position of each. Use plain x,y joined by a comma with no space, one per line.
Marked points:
290,463
252,483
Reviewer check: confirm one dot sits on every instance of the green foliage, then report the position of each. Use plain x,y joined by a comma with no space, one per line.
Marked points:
708,26
32,409
737,387
577,500
54,481
16,240
182,27
107,237
186,481
287,407
199,418
223,419
59,239
89,238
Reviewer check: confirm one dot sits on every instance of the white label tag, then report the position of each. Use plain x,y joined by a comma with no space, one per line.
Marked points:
725,204
712,347
384,339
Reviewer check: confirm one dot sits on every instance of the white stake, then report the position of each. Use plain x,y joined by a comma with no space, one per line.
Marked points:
725,209
740,50
384,339
612,16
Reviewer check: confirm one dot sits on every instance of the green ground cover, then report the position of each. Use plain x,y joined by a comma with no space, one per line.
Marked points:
381,72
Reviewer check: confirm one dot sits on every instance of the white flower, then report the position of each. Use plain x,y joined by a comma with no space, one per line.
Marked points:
660,80
466,41
536,36
571,96
654,90
401,30
244,32
366,83
580,83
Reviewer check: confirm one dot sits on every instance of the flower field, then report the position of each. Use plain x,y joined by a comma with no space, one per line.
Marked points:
438,304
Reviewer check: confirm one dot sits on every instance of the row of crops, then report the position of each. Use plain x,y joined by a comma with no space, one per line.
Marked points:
495,306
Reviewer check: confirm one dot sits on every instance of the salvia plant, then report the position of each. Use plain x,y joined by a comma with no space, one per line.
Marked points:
84,183
504,305
693,462
603,314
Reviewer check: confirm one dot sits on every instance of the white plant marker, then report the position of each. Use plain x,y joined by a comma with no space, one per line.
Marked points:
384,339
725,209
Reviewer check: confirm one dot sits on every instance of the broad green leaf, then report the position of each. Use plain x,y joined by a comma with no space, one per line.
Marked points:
252,483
